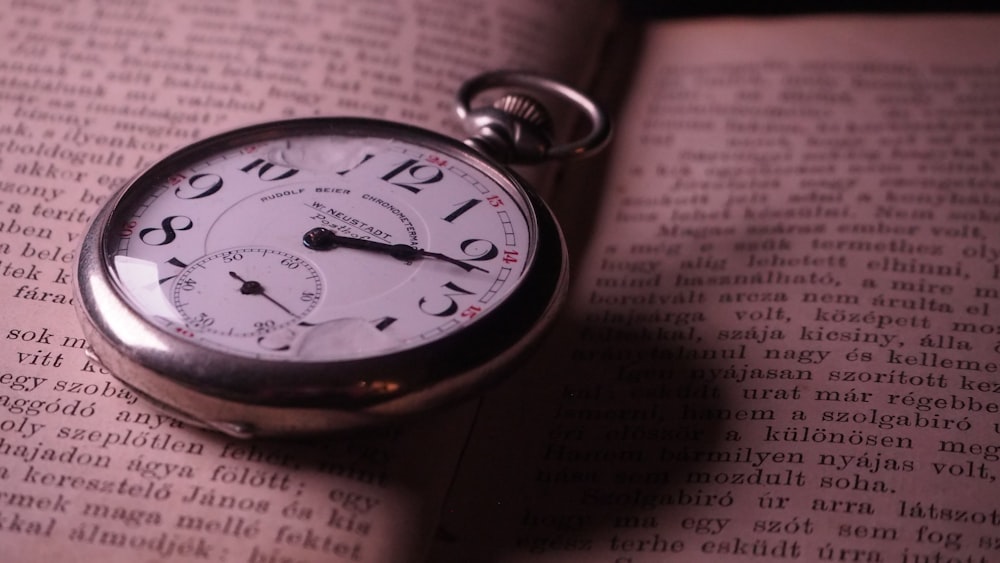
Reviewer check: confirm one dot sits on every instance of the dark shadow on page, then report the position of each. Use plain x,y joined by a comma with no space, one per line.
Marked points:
609,452
607,435
581,184
664,9
622,450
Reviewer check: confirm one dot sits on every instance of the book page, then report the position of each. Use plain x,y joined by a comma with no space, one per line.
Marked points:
783,341
93,91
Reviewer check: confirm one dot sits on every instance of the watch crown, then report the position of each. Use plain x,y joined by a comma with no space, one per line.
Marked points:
525,109
513,127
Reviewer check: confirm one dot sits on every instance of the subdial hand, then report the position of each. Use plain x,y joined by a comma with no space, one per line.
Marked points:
325,239
251,287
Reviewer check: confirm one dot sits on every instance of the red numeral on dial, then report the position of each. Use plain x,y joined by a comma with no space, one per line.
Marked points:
472,311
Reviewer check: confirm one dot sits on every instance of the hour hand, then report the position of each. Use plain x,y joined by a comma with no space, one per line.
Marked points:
320,238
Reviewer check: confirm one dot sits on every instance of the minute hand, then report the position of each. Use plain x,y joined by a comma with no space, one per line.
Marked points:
325,239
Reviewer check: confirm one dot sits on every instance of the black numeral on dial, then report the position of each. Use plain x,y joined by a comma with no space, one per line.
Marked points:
450,307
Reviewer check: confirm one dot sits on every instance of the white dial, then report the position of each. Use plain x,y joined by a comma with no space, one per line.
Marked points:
348,246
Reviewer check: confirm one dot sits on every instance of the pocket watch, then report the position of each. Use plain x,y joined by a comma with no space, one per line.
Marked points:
317,274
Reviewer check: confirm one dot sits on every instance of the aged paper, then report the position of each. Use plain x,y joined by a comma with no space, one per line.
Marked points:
782,342
91,92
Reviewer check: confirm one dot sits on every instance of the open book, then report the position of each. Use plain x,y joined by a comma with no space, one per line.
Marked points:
782,340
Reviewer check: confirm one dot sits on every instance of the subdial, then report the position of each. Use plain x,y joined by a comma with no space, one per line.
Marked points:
246,292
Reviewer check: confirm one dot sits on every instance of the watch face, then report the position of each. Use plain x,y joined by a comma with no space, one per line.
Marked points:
306,243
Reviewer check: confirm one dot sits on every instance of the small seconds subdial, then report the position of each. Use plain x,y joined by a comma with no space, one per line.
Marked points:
246,292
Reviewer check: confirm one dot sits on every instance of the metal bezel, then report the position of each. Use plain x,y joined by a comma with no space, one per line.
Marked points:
247,396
